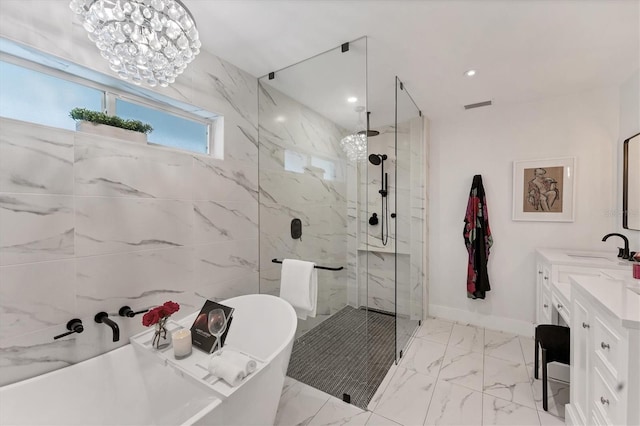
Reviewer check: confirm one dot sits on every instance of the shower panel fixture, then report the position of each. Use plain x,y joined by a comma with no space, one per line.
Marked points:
378,160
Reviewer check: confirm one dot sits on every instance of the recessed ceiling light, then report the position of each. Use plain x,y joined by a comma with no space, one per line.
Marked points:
281,119
352,99
470,73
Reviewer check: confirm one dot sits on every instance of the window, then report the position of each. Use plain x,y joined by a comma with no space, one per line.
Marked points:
56,93
37,97
168,129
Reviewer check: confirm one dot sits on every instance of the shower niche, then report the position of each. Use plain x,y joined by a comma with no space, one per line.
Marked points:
351,171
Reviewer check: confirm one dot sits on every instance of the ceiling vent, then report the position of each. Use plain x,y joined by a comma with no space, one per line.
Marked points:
478,105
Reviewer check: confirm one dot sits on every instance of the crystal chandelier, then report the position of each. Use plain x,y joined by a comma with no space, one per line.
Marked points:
149,41
355,145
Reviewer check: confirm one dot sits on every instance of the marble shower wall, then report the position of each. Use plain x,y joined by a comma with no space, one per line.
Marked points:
376,282
302,175
89,223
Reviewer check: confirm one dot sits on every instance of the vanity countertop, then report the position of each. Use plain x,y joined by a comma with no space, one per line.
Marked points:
613,296
593,259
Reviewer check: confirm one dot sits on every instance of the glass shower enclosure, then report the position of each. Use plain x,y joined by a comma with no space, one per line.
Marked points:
321,181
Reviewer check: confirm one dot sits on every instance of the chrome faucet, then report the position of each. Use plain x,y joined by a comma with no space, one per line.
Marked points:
625,251
103,317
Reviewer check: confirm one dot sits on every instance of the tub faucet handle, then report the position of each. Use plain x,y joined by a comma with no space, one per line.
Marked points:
126,311
74,326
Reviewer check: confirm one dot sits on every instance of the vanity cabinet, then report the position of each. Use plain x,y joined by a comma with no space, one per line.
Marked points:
604,374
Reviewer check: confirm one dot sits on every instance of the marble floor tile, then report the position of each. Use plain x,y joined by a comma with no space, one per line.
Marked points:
435,330
454,405
424,357
462,367
502,345
299,404
496,411
383,386
406,399
338,413
376,420
467,337
507,380
547,419
528,348
558,396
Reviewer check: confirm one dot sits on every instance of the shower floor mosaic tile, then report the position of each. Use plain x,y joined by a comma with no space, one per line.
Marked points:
350,352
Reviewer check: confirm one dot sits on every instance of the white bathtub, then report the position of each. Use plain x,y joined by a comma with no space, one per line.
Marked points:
125,387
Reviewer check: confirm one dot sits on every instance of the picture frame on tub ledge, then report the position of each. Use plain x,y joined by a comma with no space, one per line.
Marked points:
544,190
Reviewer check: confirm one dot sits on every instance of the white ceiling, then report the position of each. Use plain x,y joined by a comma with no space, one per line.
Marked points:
523,50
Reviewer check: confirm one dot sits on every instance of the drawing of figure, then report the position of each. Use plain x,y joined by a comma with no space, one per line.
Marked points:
543,191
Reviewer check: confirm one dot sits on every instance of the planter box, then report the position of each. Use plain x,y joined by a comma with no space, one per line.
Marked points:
110,131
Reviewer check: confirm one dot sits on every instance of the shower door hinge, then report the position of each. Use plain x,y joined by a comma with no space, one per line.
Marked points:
346,398
419,322
420,113
401,354
345,47
272,75
401,86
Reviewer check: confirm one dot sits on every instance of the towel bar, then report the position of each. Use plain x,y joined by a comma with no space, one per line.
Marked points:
317,267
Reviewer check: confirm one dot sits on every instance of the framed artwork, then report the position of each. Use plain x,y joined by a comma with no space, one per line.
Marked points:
543,190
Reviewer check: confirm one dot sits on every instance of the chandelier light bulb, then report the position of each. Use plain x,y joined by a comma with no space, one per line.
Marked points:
150,41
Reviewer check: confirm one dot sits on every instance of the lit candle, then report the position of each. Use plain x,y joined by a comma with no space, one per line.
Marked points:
181,343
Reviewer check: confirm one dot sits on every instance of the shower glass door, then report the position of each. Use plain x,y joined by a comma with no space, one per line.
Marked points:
311,115
408,222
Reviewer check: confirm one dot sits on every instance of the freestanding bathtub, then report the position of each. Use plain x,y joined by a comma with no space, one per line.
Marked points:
125,387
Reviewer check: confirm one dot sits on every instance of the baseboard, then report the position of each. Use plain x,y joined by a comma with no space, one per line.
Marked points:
493,322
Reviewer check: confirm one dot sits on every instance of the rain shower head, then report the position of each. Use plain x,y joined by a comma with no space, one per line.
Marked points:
376,159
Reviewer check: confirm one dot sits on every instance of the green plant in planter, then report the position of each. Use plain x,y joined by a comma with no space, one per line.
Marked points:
82,114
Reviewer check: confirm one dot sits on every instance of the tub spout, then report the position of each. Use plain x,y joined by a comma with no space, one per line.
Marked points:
103,317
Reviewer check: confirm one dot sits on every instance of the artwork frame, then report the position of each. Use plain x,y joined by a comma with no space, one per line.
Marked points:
543,190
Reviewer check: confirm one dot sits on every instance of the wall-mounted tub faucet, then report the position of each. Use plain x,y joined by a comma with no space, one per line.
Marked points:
74,326
103,317
126,311
625,251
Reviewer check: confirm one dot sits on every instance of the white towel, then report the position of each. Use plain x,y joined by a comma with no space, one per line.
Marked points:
299,286
226,370
241,360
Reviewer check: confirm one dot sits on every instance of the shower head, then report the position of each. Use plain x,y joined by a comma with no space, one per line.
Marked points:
376,159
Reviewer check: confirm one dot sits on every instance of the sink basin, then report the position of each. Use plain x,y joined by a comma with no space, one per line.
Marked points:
587,256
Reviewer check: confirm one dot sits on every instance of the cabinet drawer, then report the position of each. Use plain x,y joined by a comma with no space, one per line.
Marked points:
561,307
605,400
546,308
608,347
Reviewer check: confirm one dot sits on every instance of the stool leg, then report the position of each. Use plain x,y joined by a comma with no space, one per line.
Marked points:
535,367
544,380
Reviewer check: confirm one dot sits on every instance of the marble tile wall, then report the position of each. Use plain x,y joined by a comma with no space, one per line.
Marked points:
85,231
302,175
89,223
406,198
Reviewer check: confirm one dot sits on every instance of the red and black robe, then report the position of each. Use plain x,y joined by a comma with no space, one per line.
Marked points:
477,238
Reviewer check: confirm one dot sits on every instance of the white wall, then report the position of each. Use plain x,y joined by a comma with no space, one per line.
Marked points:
486,141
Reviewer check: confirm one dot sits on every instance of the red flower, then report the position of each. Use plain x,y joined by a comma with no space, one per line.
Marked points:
156,314
171,307
150,318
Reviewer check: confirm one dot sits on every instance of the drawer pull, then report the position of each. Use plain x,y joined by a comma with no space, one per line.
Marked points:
604,345
545,305
585,325
546,278
539,272
560,306
604,401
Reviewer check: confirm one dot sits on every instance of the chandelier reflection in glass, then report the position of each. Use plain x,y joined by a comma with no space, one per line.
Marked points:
150,41
355,145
